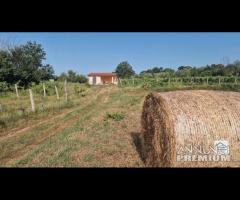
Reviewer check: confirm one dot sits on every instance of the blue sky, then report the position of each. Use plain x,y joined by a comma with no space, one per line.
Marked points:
102,52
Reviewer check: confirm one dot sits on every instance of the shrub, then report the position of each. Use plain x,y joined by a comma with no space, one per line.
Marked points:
114,116
4,87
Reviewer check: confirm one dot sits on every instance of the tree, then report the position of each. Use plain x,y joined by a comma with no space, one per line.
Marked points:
217,69
73,77
237,64
124,70
23,64
157,70
184,67
6,70
184,71
46,72
169,71
27,60
62,76
204,71
82,79
152,71
194,71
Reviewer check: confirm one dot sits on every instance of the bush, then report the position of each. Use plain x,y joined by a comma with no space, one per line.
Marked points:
50,88
4,87
114,116
78,89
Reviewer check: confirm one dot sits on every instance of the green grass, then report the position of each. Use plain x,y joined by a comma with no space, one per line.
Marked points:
163,84
93,132
18,110
61,139
114,116
86,141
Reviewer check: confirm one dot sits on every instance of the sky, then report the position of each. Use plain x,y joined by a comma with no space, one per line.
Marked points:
102,52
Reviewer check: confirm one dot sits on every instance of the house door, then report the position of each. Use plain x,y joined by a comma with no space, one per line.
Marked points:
94,80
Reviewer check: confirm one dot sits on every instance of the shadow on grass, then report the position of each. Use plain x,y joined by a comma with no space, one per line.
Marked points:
138,144
3,124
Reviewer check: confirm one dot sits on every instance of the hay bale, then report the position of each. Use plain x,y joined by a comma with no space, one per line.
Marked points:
183,123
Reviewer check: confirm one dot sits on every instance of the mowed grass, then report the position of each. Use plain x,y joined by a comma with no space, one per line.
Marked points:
16,111
95,132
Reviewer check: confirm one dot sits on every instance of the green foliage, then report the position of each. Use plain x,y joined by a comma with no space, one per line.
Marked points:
184,68
168,72
4,87
82,79
151,72
50,88
213,70
184,71
20,109
46,72
124,70
231,83
73,77
79,89
114,116
23,65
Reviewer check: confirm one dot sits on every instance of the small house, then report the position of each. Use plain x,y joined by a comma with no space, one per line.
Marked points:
102,78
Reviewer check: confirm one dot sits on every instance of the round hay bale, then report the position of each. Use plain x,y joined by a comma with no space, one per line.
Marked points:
193,128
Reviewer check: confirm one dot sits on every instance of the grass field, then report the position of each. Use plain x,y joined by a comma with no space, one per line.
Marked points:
99,130
98,127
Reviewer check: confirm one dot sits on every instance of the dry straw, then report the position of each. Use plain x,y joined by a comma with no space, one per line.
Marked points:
172,120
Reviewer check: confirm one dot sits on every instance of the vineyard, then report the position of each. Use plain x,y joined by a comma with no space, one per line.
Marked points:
76,124
47,98
51,97
65,102
224,83
96,126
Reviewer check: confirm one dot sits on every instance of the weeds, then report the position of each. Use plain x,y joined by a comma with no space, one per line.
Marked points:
114,116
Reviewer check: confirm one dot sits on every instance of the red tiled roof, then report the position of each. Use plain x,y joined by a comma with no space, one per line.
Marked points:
102,74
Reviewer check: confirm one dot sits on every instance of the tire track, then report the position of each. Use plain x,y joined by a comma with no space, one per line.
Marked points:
16,131
21,152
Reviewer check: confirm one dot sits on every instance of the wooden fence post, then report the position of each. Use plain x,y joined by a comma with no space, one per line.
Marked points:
235,81
219,81
16,88
133,81
44,90
65,88
56,90
207,80
169,81
32,100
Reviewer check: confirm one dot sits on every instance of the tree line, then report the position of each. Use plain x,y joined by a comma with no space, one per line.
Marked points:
24,64
125,70
73,77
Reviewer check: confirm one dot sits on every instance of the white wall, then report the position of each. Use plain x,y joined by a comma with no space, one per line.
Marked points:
99,81
90,80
